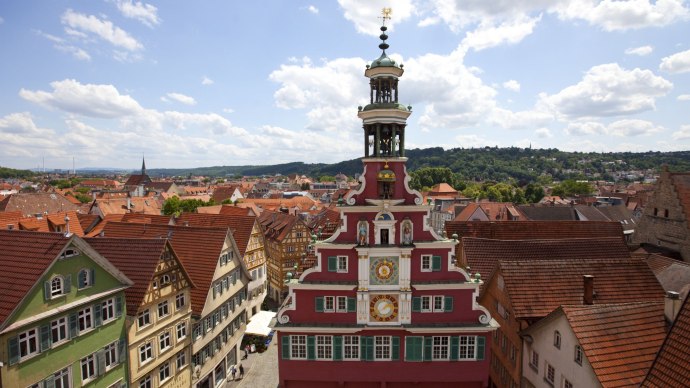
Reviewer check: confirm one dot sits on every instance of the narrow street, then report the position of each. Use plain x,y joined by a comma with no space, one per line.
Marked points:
260,370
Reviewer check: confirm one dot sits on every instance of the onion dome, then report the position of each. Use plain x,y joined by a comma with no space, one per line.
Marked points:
383,60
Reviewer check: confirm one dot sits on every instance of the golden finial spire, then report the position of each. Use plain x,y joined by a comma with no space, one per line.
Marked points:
386,12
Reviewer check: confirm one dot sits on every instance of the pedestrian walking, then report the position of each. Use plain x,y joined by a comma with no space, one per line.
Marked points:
241,371
233,371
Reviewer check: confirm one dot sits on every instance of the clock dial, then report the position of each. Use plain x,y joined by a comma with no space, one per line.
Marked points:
383,270
383,308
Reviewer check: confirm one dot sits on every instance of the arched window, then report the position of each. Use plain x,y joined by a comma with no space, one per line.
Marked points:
56,286
557,339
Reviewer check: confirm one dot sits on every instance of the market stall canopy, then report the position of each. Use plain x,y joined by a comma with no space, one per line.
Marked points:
259,323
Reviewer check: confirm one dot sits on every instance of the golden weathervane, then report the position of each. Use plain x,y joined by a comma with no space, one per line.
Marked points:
386,12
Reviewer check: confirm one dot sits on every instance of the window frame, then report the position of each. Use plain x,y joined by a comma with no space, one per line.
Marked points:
383,344
298,347
351,343
429,302
326,301
557,339
88,364
56,292
57,325
87,282
180,301
578,355
440,346
108,305
549,373
146,316
164,367
341,264
145,349
110,353
82,315
434,299
426,259
324,347
31,335
145,382
65,373
164,341
165,306
338,301
181,360
181,327
534,360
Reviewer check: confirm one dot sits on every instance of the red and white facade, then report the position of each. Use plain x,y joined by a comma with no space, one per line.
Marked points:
385,304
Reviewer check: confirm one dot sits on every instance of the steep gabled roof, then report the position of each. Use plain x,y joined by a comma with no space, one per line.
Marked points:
240,226
34,203
620,341
231,210
197,248
146,218
537,287
681,182
277,225
534,229
88,221
671,367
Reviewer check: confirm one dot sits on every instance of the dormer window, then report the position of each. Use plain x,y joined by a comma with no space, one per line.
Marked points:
165,280
56,287
71,252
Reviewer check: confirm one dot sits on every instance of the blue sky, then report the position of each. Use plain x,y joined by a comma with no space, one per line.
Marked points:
206,83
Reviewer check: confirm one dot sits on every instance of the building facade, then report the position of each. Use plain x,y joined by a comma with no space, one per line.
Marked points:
385,304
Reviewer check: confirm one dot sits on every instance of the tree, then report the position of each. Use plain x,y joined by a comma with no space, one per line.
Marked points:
570,187
171,206
304,186
327,178
534,193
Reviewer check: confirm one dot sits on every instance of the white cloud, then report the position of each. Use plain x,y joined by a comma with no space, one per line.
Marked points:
228,110
313,9
474,141
543,133
512,85
179,97
633,127
682,134
683,97
21,124
624,15
81,25
89,100
21,137
585,128
488,35
676,63
145,13
365,14
61,45
519,120
608,90
206,81
641,51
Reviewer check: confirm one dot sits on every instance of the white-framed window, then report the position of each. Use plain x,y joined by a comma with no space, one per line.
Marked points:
63,378
557,339
154,284
145,382
57,286
534,361
426,304
85,319
180,301
426,263
350,347
298,347
145,353
108,310
181,360
342,263
329,304
181,330
324,347
69,253
578,354
164,341
440,346
165,280
58,330
88,368
28,343
341,304
163,372
438,304
382,347
163,309
549,373
143,319
468,347
567,384
110,355
84,277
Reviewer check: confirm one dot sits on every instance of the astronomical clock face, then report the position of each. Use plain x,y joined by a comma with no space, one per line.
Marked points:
383,308
383,271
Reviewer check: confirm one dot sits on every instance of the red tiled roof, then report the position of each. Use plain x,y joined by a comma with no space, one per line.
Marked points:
221,193
24,256
108,218
681,182
10,218
619,340
88,221
146,218
537,287
482,254
534,229
33,203
671,367
240,226
236,210
137,179
326,221
277,225
197,248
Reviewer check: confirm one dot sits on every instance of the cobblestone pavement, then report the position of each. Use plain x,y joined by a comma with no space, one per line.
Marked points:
260,370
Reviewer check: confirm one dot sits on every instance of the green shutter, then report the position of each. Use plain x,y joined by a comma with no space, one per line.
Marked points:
436,263
118,306
13,349
68,284
337,348
73,325
45,337
46,290
370,348
395,351
100,362
454,348
285,346
311,347
481,341
49,382
448,304
332,263
413,348
121,347
416,304
366,348
93,276
318,303
97,314
428,342
81,279
351,305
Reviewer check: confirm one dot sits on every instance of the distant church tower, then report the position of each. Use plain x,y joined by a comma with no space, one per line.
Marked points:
143,166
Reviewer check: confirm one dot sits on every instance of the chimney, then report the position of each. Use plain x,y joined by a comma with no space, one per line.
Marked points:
67,232
185,223
672,304
588,296
129,203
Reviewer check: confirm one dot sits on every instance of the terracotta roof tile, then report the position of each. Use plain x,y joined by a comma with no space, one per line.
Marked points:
240,226
24,256
534,229
277,225
34,203
236,211
88,221
619,340
146,218
671,367
99,227
537,287
197,248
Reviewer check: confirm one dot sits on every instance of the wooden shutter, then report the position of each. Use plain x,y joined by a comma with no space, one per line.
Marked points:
285,346
49,382
68,284
369,348
45,337
97,314
351,305
121,346
100,362
447,304
435,263
332,263
428,343
318,303
395,348
454,348
73,327
416,304
46,290
93,276
337,348
414,348
13,349
81,279
481,343
311,347
118,306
